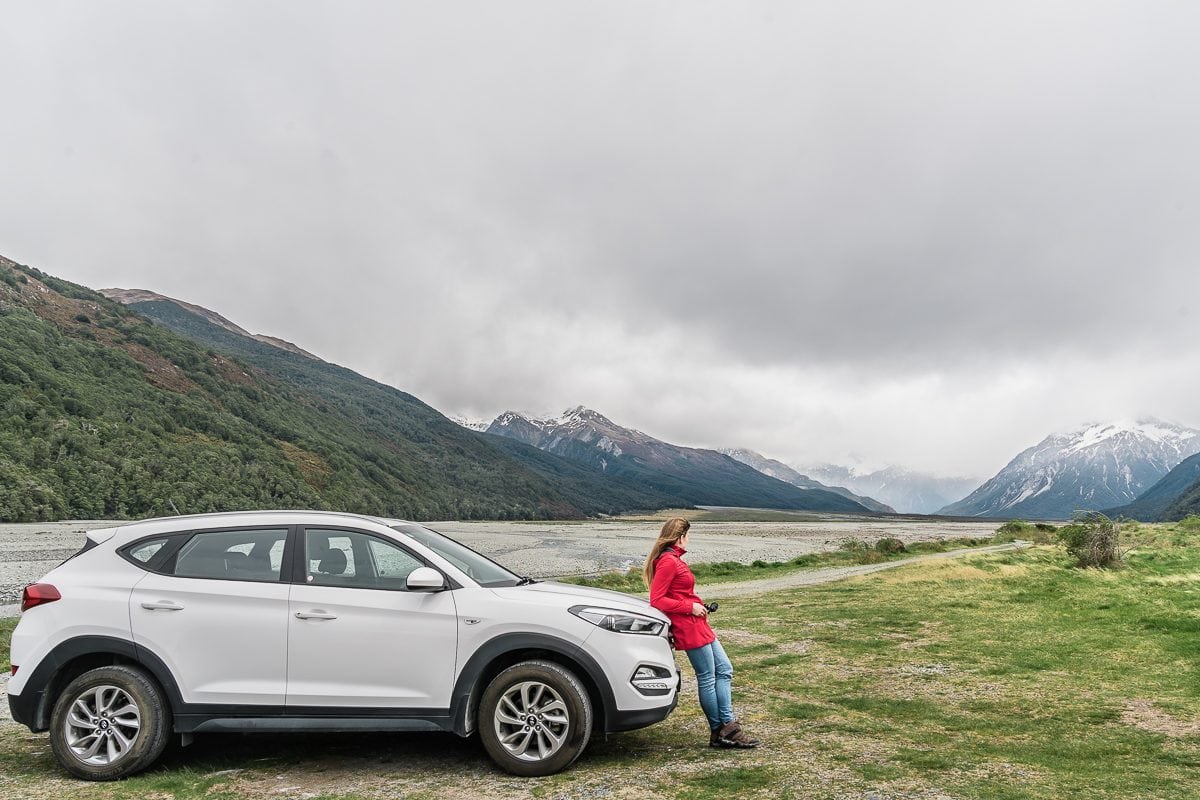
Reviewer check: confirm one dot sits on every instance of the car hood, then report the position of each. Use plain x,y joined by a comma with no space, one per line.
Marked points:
572,594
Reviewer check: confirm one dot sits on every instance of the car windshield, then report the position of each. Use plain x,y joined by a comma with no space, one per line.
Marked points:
480,568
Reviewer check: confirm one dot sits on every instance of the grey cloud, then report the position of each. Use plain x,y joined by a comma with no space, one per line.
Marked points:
816,212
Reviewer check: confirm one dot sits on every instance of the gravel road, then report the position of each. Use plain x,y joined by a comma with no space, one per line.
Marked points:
537,549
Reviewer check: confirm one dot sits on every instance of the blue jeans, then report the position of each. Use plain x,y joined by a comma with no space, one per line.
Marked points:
714,679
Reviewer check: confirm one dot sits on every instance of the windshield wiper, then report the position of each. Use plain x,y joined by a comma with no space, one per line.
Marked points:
525,581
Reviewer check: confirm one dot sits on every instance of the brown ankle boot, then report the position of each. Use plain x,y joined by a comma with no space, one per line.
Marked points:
717,740
732,735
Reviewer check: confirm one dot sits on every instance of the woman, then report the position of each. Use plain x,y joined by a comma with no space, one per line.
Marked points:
673,592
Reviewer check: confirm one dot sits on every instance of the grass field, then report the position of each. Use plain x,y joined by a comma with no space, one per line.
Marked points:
1006,676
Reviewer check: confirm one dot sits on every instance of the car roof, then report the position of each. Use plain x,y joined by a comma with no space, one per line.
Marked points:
233,519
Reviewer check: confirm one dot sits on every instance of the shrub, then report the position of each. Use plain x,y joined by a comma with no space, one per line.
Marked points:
1038,533
853,545
1093,539
1012,530
870,556
889,545
1189,524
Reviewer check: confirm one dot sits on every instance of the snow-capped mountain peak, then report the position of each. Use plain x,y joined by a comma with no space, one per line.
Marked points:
471,424
1093,467
1095,434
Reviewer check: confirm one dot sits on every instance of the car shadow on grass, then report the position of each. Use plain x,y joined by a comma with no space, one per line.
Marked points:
223,751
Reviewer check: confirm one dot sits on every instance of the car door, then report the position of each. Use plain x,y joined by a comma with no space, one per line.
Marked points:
215,611
357,637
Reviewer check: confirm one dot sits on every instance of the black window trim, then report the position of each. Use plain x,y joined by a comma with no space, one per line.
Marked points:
300,565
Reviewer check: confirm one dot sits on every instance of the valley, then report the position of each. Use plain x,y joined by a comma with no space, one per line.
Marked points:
544,549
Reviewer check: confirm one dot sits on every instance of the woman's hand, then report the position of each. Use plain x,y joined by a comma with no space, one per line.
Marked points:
699,610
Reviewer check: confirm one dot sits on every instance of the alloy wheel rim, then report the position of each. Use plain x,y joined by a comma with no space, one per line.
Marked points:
102,725
532,721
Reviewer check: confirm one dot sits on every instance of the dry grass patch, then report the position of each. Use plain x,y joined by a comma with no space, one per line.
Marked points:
1144,715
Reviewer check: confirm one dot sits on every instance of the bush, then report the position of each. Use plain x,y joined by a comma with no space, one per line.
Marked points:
1093,539
870,556
890,545
1189,524
1038,533
1013,530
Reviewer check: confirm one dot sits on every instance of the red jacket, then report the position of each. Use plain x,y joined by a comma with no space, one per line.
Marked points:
673,591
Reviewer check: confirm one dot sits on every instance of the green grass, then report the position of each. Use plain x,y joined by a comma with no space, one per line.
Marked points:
1006,676
852,552
6,629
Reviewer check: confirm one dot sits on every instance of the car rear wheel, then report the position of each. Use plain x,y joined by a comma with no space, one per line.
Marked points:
535,718
109,723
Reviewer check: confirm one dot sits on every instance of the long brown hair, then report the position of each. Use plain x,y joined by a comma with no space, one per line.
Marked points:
672,531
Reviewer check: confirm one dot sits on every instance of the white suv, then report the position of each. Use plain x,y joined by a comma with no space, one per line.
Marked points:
303,621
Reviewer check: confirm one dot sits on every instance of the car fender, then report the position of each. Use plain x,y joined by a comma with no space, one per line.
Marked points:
468,688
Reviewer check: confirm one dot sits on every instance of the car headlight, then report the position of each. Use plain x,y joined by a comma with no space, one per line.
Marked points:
619,621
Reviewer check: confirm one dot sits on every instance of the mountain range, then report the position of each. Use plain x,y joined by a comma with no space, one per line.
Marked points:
125,411
1097,466
908,491
781,471
135,403
696,475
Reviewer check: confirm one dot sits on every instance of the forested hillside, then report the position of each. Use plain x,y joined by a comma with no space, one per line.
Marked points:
104,413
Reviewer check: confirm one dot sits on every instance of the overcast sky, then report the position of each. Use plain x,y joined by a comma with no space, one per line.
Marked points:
925,233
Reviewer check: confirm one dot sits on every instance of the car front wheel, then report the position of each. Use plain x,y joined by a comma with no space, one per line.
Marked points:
109,723
535,718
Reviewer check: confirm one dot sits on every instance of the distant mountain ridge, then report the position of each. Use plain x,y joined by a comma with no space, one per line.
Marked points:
1094,467
780,471
908,491
1176,495
698,476
132,297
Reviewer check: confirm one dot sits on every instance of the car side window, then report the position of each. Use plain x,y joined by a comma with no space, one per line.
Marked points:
356,560
244,555
145,551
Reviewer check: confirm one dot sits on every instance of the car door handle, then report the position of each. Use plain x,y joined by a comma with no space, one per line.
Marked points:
314,615
162,605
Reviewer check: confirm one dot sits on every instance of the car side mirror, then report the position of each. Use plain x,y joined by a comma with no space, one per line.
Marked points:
425,579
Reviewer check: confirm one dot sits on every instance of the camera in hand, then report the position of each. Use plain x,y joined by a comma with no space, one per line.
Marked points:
713,606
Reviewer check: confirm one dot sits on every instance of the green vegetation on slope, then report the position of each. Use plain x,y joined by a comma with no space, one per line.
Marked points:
1185,505
105,414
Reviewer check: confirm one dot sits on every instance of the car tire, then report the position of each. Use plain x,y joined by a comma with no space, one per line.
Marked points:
535,718
109,723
